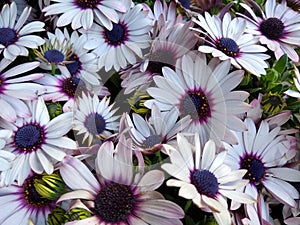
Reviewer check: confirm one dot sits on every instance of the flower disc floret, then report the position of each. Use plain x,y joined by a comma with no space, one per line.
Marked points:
95,123
228,46
29,137
272,28
255,168
196,105
8,36
87,4
117,35
205,182
114,202
31,196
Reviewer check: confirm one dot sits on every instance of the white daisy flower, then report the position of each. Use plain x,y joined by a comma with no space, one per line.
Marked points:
22,203
228,40
203,177
66,88
15,37
293,93
37,142
94,118
170,45
56,51
263,153
278,28
149,135
122,44
205,93
117,195
15,87
83,13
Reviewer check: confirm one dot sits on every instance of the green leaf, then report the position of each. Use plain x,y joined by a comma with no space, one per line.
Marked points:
281,64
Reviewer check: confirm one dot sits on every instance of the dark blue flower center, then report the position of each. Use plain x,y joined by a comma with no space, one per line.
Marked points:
185,3
70,85
29,138
196,105
87,4
152,140
54,56
30,194
228,46
114,203
95,123
255,168
205,182
272,28
8,36
75,66
117,35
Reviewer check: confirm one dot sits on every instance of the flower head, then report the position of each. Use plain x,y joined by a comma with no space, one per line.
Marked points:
15,37
228,40
205,93
203,177
37,142
278,28
118,196
94,118
123,44
83,13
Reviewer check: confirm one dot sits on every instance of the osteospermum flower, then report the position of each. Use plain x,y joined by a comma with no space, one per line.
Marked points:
118,196
37,142
263,152
227,40
161,128
65,88
94,118
171,44
205,93
15,37
56,51
24,203
122,44
83,13
203,177
15,87
278,28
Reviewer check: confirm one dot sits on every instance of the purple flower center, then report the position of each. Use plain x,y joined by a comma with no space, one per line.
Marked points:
205,182
30,194
95,123
75,66
116,36
114,203
8,36
87,4
152,140
29,138
272,28
54,56
255,168
196,105
70,86
228,46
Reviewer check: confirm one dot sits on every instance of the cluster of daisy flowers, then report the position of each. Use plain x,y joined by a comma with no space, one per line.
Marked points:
121,112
